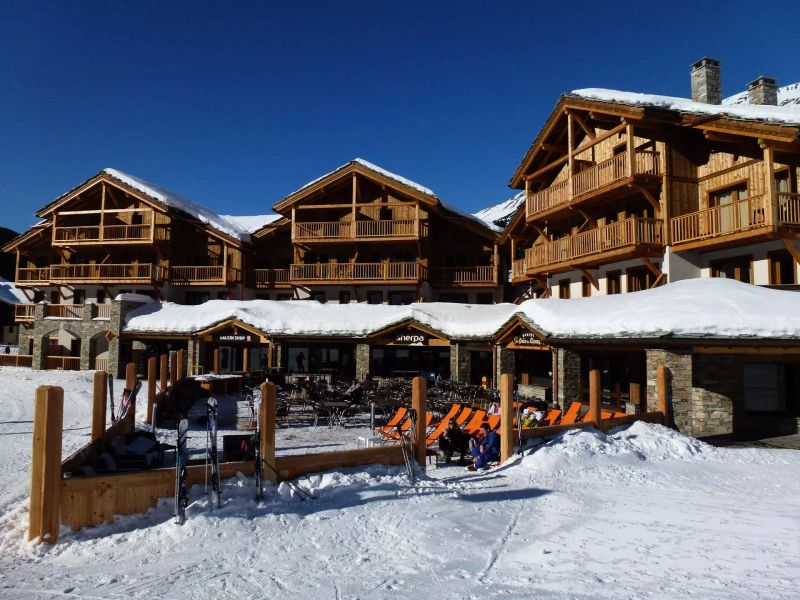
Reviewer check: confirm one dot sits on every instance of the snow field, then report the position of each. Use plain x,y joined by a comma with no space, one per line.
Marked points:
640,512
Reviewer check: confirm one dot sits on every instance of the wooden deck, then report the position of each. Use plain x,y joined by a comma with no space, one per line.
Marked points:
611,242
609,174
364,231
24,313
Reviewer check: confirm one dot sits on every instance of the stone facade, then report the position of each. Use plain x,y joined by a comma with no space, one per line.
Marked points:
569,377
679,386
706,81
362,362
460,362
717,390
505,362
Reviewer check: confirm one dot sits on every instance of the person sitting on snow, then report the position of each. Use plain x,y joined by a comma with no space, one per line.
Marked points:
486,450
453,440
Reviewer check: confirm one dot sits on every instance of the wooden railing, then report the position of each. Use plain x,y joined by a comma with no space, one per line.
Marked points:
630,232
63,311
719,220
33,275
338,230
384,271
188,275
788,208
101,364
464,275
16,360
101,311
24,312
518,268
108,272
267,278
592,179
63,363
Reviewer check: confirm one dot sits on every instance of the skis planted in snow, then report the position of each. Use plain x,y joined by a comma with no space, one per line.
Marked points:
181,458
111,396
212,454
257,452
128,398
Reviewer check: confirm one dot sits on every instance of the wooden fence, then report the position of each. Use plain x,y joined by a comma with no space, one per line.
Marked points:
16,360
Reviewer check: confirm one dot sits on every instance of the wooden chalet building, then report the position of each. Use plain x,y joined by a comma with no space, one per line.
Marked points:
628,191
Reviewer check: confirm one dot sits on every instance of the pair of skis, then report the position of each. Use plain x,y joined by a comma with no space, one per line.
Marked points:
182,458
128,397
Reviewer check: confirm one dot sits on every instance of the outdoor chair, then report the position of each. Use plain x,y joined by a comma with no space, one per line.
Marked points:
571,416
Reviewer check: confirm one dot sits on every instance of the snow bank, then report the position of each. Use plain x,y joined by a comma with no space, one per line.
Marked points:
782,115
172,200
131,297
252,223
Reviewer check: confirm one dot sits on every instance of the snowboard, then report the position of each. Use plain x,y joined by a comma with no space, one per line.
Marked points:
212,455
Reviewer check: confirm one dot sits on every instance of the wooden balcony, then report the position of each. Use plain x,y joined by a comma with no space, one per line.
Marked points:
101,311
63,363
266,279
24,313
16,360
478,276
108,234
216,275
723,225
349,273
63,311
609,174
108,273
518,270
617,241
33,276
345,231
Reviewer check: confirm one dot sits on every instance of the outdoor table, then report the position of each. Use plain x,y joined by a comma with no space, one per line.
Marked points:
335,412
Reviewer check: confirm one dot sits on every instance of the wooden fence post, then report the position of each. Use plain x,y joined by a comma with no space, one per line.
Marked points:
268,430
173,368
594,396
130,383
419,403
99,403
506,416
45,508
661,391
181,370
635,394
163,372
216,361
152,367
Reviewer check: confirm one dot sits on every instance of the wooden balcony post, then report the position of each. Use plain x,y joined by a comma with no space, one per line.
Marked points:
594,396
99,402
45,504
770,188
216,361
506,416
181,370
570,161
635,394
662,405
267,441
419,402
152,368
173,368
293,223
163,372
630,150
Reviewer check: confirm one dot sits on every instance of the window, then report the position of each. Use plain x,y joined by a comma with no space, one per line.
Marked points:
38,296
398,298
374,297
613,283
344,297
484,298
453,297
563,289
586,287
101,296
782,269
734,212
319,297
79,297
737,268
55,298
640,278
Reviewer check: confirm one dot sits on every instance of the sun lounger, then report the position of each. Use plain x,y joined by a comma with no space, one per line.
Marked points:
571,416
395,421
442,425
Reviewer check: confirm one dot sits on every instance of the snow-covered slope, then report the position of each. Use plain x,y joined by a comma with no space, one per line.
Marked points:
10,293
499,215
251,223
788,95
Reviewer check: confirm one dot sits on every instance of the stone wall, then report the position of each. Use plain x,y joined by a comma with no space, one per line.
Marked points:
569,377
717,394
505,363
362,362
460,363
679,386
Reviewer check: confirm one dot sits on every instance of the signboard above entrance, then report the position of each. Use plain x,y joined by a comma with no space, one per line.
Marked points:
241,338
411,337
526,340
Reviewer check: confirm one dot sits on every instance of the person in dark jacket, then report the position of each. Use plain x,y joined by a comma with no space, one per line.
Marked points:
486,450
453,440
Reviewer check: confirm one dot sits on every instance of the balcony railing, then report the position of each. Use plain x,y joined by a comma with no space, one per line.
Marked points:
719,220
24,313
478,275
33,275
101,311
347,230
788,209
189,275
346,272
267,278
63,311
16,360
89,234
128,272
576,248
592,179
101,364
63,363
518,268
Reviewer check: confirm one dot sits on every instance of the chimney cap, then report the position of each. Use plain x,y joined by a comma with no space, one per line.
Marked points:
705,61
762,80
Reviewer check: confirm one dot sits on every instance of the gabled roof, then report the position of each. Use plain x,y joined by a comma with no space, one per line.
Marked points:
40,228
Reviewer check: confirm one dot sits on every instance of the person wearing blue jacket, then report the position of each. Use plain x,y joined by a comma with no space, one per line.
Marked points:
486,450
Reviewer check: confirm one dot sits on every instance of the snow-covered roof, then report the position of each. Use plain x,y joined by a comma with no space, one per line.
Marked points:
252,223
10,293
172,200
717,308
780,115
788,95
498,216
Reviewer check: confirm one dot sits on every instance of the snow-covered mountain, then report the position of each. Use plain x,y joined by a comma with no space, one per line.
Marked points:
499,215
788,95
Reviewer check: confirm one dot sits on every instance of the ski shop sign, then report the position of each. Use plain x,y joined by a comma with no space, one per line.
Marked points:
234,338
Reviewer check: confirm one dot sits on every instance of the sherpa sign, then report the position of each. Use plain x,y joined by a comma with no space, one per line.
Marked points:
410,337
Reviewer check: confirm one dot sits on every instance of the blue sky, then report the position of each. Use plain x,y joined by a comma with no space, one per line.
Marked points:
236,104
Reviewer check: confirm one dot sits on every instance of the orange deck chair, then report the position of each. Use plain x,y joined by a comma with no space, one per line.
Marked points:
494,422
552,416
571,416
442,425
463,416
478,417
392,424
396,435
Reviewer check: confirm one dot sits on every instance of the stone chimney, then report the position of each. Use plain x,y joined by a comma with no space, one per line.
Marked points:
763,90
706,85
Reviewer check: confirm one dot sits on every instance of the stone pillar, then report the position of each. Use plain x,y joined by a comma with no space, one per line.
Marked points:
717,394
505,361
459,363
679,386
86,352
362,362
39,349
569,378
192,355
278,355
113,355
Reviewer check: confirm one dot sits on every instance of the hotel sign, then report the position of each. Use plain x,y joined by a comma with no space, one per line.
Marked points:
527,340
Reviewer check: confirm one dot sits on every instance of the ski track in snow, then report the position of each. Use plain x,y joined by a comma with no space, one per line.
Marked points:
643,513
